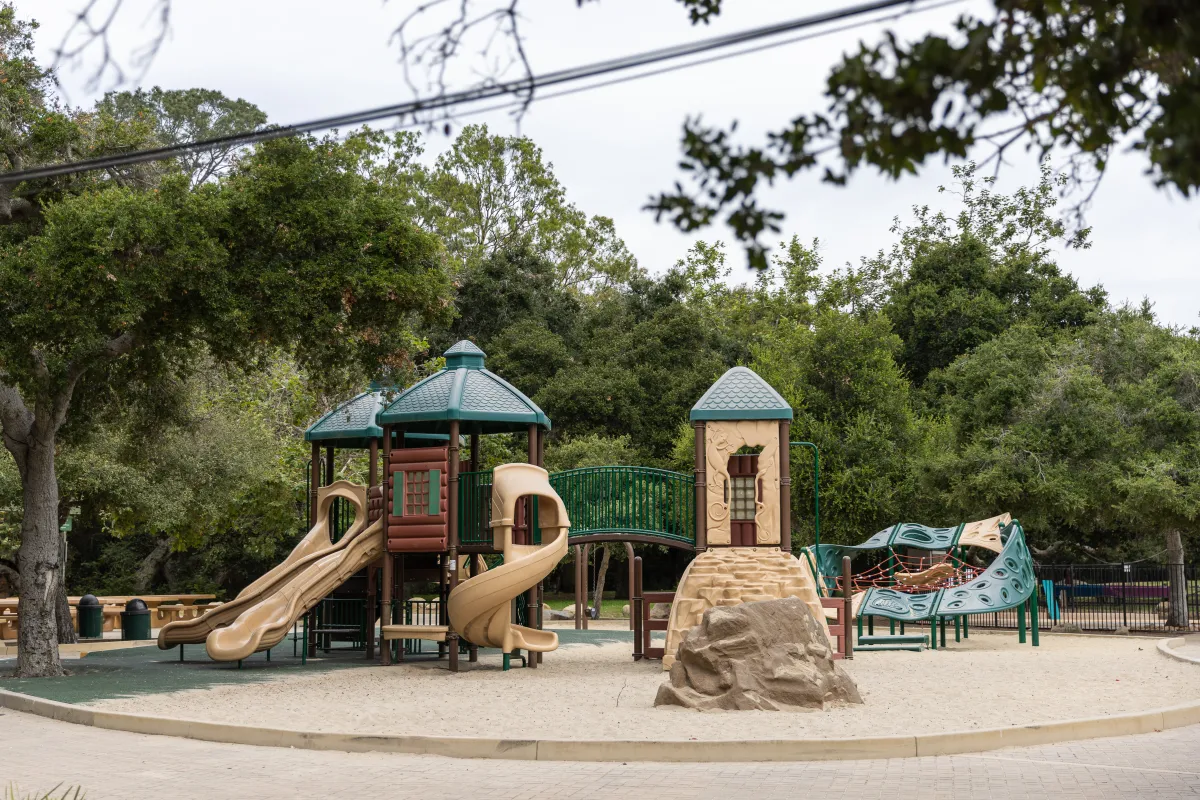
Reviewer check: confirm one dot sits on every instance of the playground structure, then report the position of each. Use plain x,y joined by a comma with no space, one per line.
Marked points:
424,519
925,588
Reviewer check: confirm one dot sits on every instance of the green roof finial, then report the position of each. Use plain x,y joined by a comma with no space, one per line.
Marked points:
464,354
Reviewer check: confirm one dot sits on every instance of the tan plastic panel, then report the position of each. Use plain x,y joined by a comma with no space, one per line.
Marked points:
311,548
730,576
985,533
479,608
723,439
267,622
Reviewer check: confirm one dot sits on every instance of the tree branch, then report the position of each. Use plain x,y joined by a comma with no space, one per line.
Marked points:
111,349
16,423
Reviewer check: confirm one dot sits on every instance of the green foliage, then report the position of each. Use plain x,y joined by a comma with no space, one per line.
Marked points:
592,450
488,194
188,115
1092,439
1079,75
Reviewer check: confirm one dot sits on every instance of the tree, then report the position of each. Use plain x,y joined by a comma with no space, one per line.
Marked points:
594,451
1081,76
187,115
954,283
293,249
1089,436
488,194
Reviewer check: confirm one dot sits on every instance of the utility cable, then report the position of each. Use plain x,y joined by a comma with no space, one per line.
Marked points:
476,94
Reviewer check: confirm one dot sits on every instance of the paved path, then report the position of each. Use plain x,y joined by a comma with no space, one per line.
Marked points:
38,754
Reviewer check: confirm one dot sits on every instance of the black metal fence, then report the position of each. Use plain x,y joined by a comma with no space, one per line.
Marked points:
1104,597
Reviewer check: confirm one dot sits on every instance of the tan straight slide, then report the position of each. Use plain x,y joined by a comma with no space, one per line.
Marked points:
267,622
480,607
311,549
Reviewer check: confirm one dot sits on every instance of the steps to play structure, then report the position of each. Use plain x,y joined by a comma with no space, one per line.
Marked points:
480,607
289,589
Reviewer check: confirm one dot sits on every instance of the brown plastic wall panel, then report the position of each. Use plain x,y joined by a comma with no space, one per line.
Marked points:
417,545
436,456
399,525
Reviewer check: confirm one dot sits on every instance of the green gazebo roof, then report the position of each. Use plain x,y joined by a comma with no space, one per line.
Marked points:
480,400
353,423
741,394
350,424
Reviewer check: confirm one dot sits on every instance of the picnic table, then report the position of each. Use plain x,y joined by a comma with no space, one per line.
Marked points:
180,606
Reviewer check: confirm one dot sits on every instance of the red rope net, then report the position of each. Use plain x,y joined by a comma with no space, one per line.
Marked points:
916,574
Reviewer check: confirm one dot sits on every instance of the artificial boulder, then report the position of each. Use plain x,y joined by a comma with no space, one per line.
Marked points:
770,655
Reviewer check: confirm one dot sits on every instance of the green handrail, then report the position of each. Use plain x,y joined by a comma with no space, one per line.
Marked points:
628,499
643,501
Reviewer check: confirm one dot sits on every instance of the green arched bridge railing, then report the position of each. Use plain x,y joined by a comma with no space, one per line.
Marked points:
604,504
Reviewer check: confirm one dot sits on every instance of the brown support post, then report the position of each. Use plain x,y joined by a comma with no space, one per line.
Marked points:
531,609
385,600
373,467
314,484
848,611
635,608
401,600
629,558
785,487
587,556
701,515
372,588
452,534
329,464
579,580
473,466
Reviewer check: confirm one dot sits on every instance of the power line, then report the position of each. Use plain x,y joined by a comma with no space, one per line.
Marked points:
473,95
707,60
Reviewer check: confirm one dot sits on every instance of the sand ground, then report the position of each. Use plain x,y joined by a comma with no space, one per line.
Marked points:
586,691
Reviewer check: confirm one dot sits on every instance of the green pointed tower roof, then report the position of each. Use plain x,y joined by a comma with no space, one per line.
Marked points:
480,400
741,394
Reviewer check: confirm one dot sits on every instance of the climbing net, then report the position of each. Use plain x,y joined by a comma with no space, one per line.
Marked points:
916,574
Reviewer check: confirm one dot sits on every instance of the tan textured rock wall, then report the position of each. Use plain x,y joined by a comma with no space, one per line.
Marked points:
730,576
768,656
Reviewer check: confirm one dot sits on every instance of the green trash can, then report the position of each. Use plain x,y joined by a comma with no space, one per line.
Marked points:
135,620
90,614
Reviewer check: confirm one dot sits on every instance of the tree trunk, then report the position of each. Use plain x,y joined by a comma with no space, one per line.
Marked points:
151,565
1177,611
600,575
39,562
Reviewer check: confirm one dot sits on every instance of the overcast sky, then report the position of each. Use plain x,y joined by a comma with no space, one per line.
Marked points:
614,147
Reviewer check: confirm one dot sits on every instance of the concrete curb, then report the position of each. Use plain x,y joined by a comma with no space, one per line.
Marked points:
615,750
1167,648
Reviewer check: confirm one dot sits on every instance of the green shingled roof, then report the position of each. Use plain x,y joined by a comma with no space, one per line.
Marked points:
350,424
741,394
480,400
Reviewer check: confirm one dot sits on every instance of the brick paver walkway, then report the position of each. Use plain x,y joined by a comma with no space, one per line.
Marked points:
38,754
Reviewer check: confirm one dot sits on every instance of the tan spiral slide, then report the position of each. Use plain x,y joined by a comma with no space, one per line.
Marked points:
479,608
262,613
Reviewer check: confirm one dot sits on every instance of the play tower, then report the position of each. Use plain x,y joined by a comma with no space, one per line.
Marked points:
421,499
743,519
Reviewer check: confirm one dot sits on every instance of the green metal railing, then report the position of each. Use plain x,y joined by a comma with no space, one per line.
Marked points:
600,500
475,507
629,500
